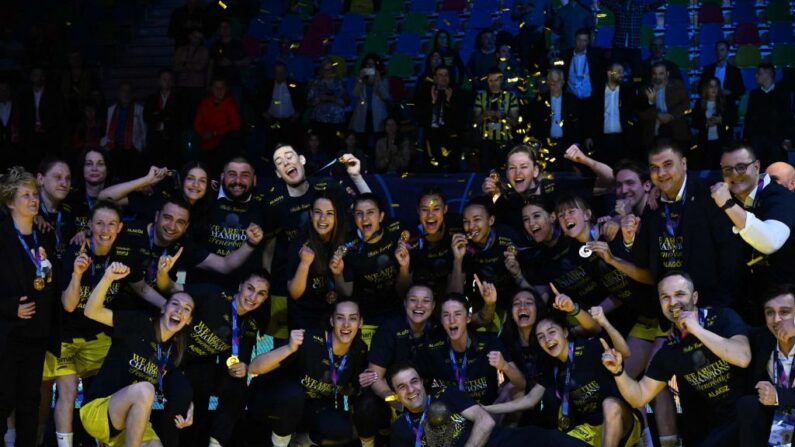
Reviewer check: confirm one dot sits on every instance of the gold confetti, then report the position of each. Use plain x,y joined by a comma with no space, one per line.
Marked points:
221,4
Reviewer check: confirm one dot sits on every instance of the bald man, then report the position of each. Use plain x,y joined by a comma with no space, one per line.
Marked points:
783,174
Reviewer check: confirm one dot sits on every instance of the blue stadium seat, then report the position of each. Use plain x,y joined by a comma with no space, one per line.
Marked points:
482,7
273,7
344,45
331,8
744,12
707,55
676,36
604,37
749,78
261,27
780,32
479,20
449,20
508,23
649,19
353,24
677,14
710,33
300,68
408,43
426,6
292,27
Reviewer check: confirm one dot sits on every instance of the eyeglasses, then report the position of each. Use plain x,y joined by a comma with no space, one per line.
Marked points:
740,168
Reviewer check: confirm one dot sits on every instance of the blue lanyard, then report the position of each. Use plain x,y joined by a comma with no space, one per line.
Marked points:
335,372
151,271
32,254
460,371
421,240
472,248
89,202
781,378
58,219
670,225
419,428
235,332
162,361
93,264
564,400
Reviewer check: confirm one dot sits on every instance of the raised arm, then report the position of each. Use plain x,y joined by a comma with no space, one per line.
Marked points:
272,359
526,402
95,306
354,169
482,425
118,193
637,394
226,265
619,343
70,297
735,350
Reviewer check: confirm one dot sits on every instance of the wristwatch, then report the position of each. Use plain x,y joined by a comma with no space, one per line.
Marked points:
728,204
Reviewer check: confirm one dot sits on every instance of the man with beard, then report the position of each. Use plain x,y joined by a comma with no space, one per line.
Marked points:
289,206
707,349
762,213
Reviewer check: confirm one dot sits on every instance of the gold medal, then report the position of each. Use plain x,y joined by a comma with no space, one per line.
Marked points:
405,236
564,423
232,360
331,296
38,283
513,250
341,251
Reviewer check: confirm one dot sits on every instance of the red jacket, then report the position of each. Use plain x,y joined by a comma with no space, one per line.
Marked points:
219,118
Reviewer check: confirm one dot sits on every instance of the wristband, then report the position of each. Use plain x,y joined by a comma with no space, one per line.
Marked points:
620,371
248,242
728,204
575,311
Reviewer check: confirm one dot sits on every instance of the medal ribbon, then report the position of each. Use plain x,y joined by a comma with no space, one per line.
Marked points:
335,372
151,269
784,379
58,220
680,335
472,248
32,254
235,331
162,361
564,400
93,264
670,225
460,371
419,428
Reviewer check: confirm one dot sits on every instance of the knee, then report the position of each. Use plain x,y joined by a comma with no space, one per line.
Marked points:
142,393
612,410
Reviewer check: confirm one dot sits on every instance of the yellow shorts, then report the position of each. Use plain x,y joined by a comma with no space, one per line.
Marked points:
96,421
79,357
592,434
647,329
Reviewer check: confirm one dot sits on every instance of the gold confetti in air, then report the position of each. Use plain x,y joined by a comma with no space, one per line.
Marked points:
601,15
445,152
291,85
221,4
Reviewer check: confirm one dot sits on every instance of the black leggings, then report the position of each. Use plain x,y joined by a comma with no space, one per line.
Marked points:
282,404
21,364
178,396
208,379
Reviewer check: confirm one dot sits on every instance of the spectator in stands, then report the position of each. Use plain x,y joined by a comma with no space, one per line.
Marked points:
662,109
439,109
762,213
283,102
77,83
443,44
40,119
614,104
496,113
535,15
190,17
228,57
657,50
783,174
628,15
732,86
125,133
316,157
217,122
768,119
568,19
372,100
512,71
9,125
327,97
554,117
483,58
713,119
89,130
350,145
164,114
191,63
584,70
392,151
432,60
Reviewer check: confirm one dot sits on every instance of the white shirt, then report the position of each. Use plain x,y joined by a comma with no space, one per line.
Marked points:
712,131
720,72
222,195
679,194
163,102
786,362
556,103
768,89
612,116
580,76
281,104
766,236
5,112
659,102
37,100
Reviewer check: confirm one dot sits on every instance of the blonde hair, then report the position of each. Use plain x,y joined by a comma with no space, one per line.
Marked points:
13,178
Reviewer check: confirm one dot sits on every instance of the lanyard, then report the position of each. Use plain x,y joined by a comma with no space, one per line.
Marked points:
58,220
162,361
678,336
460,371
235,331
94,265
33,255
670,225
594,233
781,378
151,270
564,400
421,240
335,372
419,428
89,202
472,248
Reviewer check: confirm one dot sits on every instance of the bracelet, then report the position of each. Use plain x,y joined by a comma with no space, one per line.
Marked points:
248,242
575,311
619,372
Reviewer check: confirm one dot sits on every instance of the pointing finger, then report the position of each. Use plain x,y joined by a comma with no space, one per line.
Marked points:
554,289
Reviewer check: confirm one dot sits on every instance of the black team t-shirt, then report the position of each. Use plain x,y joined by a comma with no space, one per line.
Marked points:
75,323
310,364
589,381
210,331
374,269
712,379
394,341
311,309
671,243
133,355
480,378
488,263
456,427
63,224
432,262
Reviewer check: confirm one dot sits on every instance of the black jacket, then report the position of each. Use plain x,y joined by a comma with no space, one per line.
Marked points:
732,80
541,118
174,116
626,109
763,343
297,95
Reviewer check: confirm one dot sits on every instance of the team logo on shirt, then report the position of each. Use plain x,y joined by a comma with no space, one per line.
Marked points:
142,368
